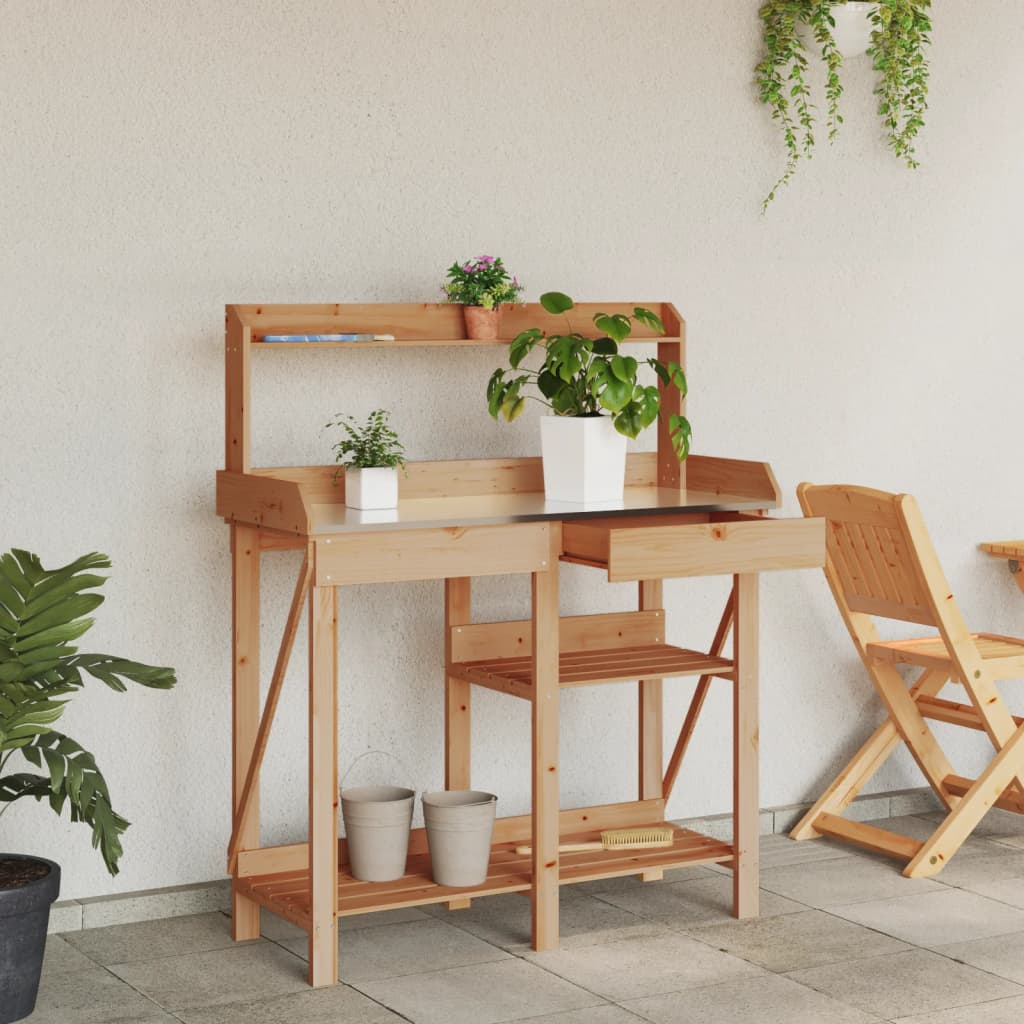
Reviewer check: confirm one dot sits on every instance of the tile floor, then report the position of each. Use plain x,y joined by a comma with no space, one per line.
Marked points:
843,939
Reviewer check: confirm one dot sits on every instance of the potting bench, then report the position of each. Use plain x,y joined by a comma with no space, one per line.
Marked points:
1013,552
456,520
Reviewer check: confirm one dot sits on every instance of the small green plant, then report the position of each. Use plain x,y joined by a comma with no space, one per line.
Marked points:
584,376
899,39
41,612
367,446
481,282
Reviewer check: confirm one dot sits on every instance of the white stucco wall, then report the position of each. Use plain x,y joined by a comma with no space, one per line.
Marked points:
160,160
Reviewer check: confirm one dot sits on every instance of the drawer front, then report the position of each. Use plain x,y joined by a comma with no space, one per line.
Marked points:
728,544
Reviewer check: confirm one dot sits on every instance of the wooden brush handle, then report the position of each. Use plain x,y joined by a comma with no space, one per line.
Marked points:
525,851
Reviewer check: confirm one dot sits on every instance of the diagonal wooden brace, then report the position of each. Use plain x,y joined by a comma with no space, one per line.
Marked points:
697,701
267,720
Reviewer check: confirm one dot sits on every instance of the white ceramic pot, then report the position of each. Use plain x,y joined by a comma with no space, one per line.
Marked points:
371,488
853,27
584,459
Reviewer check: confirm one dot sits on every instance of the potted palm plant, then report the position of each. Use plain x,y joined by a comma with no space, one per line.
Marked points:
596,397
371,454
41,612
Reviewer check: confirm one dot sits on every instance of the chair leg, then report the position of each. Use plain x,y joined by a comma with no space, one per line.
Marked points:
976,802
864,764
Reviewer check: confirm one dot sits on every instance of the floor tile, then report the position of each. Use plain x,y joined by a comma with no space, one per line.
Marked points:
278,929
91,997
369,954
149,940
915,981
996,863
322,1006
251,971
999,1011
645,966
828,883
208,897
591,1015
1015,841
996,823
62,956
1006,890
777,851
582,920
685,905
1002,955
767,1000
508,990
795,941
930,919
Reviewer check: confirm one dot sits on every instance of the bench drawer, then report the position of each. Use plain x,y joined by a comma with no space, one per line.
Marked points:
717,543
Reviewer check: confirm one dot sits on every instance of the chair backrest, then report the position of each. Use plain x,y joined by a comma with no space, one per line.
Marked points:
880,560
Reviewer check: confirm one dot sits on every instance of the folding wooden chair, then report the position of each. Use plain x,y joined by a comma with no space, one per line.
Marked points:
880,562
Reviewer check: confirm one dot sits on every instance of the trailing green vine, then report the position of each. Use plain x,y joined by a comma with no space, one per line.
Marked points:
900,32
899,36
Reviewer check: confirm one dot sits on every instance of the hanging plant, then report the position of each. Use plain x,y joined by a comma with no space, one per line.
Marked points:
899,35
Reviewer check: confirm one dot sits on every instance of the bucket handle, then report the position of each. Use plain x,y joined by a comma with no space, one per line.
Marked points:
384,753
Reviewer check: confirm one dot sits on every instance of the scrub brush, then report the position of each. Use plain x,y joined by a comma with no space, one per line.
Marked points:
616,839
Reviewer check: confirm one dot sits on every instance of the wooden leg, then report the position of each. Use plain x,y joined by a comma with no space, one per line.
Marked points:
457,696
651,709
245,691
865,763
323,785
544,894
746,809
962,820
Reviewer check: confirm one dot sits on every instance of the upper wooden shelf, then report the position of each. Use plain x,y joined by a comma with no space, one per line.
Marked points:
424,325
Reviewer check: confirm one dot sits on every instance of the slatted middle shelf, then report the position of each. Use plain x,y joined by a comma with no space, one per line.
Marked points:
583,668
287,893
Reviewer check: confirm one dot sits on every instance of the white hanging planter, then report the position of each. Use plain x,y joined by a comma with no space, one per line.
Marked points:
371,488
853,27
584,459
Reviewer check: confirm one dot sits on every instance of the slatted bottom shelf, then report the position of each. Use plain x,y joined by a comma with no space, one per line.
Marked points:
287,894
583,668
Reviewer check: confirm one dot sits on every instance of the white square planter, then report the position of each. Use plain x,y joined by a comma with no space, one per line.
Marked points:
371,488
584,459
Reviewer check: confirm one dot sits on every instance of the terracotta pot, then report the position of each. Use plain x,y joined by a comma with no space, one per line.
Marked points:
482,324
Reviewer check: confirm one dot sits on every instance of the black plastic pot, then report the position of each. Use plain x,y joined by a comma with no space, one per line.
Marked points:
24,916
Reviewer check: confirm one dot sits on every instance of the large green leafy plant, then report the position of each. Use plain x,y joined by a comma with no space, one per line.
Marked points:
584,376
41,612
899,37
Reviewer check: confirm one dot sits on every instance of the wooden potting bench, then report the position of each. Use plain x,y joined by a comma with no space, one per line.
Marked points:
456,520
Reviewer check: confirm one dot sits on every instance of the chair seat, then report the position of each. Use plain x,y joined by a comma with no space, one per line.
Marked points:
1004,655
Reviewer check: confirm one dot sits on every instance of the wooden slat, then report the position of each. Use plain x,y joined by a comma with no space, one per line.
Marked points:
697,701
671,472
949,711
1011,549
245,804
716,475
584,668
288,894
425,322
458,692
245,699
869,837
323,784
746,744
262,501
237,396
1009,801
650,711
426,554
545,774
486,641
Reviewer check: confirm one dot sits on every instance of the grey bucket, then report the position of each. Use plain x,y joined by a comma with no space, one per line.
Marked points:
459,823
377,820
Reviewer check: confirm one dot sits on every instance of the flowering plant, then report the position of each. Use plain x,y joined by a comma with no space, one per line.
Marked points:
481,282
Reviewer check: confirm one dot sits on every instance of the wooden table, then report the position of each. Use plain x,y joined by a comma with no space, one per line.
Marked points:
1013,552
455,521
